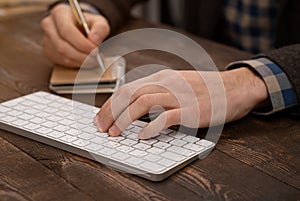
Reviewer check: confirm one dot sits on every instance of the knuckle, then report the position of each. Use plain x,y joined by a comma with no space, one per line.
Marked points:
67,62
59,8
61,49
45,23
162,74
144,100
125,92
64,31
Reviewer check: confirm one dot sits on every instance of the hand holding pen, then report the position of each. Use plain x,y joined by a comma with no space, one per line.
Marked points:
64,43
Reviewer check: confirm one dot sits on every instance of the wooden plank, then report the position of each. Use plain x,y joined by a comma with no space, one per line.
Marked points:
217,177
270,144
23,178
19,64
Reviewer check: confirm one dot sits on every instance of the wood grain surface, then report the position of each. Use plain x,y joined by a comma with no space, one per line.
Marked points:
257,158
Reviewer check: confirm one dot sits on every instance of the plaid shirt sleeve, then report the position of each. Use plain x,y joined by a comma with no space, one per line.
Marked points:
281,92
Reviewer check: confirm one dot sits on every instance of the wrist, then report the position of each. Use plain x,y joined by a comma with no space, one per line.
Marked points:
245,89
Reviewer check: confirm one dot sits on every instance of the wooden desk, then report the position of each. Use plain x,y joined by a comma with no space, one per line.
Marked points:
256,158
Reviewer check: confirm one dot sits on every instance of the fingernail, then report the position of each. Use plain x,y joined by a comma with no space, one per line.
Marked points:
141,135
113,130
99,124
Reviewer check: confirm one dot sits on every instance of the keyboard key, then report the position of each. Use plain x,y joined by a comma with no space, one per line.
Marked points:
31,126
155,150
39,107
133,136
37,99
125,149
66,122
194,147
51,110
142,146
42,115
106,151
129,127
85,136
138,153
111,144
21,108
43,130
31,111
120,156
8,119
134,160
166,131
152,167
80,143
4,109
181,151
136,129
126,133
139,123
49,124
128,142
164,138
27,103
116,139
68,138
205,143
73,132
61,128
14,113
152,157
191,139
98,140
178,142
162,145
11,103
37,120
172,156
62,113
149,141
26,116
93,147
55,104
85,120
90,129
56,134
166,162
177,135
19,122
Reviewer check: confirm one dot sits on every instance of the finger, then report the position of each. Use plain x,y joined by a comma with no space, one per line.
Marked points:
163,121
112,109
66,25
140,107
60,47
51,54
100,28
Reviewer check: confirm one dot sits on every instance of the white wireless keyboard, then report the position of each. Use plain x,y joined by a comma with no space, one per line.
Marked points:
68,125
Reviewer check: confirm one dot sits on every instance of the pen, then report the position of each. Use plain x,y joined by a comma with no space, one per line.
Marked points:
83,24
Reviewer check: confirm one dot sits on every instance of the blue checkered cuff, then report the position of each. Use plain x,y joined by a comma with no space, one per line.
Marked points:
281,92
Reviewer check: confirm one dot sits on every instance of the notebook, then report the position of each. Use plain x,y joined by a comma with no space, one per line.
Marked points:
68,80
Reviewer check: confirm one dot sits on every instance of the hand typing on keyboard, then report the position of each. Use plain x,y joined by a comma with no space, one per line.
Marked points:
185,96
